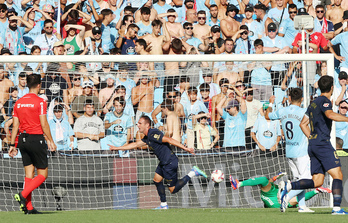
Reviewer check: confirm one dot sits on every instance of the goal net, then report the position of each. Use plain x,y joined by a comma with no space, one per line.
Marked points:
187,97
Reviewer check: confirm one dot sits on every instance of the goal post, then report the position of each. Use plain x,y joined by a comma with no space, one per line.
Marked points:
103,179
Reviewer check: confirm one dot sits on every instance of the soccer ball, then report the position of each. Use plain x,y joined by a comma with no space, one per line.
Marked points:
217,176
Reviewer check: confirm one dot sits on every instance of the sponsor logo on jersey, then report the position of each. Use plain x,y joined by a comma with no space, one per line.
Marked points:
326,105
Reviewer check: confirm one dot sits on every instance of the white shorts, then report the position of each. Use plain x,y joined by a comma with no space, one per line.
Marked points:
300,167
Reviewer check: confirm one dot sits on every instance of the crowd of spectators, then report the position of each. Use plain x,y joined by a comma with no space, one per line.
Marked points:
204,105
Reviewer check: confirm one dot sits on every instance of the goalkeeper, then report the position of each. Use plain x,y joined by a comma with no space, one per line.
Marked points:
270,191
168,166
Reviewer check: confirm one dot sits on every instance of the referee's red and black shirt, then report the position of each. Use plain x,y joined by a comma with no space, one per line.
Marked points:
28,110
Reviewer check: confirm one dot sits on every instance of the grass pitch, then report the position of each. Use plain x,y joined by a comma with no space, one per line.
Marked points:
232,215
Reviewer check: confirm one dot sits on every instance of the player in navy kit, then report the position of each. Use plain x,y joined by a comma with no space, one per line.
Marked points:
168,166
322,155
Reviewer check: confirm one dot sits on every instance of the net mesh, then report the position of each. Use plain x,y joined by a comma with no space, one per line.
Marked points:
85,174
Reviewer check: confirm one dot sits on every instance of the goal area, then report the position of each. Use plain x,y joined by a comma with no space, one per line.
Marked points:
85,174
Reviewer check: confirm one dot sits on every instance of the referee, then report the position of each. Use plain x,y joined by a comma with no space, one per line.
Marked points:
29,118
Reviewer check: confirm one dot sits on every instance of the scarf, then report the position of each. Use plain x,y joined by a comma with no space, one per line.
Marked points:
322,28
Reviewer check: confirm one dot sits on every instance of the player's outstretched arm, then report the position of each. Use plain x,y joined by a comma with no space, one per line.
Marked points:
173,142
129,146
335,116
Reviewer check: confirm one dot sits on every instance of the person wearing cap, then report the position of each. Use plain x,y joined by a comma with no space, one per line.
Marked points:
77,105
275,44
260,12
287,28
341,40
243,44
279,13
215,42
58,48
46,40
336,13
235,116
266,133
201,30
12,36
321,24
89,128
62,133
175,29
341,90
229,26
193,41
255,28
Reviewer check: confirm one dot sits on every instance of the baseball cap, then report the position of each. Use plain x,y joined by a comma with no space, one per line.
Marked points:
96,29
302,11
58,43
249,8
10,10
232,103
47,8
231,8
87,84
342,75
265,105
272,27
215,28
5,50
110,76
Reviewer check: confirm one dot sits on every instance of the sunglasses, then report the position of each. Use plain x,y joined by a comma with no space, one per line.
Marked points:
49,27
272,31
250,93
244,33
98,33
136,32
293,12
76,79
321,11
204,118
2,11
189,28
204,18
171,96
50,13
216,31
239,86
343,107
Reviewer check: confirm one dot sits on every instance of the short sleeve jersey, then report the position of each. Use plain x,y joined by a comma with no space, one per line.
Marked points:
118,130
320,125
317,38
162,150
28,110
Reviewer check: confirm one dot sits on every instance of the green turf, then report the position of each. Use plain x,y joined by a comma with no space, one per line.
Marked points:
232,215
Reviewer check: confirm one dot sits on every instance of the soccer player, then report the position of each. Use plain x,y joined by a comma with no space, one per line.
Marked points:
269,190
322,155
296,142
29,116
168,166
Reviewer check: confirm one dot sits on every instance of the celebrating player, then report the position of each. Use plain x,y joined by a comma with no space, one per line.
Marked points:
322,155
168,166
269,190
296,141
29,115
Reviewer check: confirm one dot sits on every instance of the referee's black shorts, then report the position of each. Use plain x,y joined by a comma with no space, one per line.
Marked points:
33,149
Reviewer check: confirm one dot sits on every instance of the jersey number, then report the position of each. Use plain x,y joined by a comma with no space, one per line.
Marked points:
289,127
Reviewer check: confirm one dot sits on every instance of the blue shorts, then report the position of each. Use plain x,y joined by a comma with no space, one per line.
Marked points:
169,172
323,158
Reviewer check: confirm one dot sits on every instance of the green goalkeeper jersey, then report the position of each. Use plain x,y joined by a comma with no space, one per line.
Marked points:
270,198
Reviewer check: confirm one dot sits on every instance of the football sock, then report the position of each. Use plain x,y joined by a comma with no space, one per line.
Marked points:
301,198
294,193
310,194
161,191
181,183
337,192
28,204
263,181
35,183
302,184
